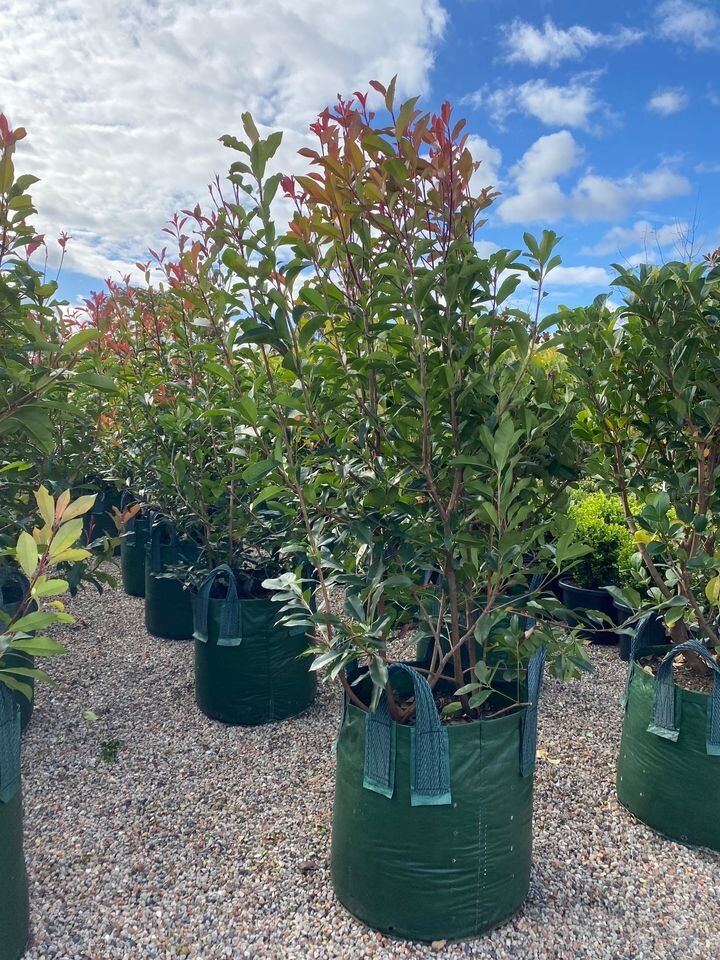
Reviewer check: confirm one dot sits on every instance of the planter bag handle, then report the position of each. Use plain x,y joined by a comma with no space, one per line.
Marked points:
229,635
159,526
10,576
9,745
429,752
127,498
638,640
665,720
529,721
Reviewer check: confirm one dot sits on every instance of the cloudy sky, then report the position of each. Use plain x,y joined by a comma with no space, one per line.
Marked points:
598,120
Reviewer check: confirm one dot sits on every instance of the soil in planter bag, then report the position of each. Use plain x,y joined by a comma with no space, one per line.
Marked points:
248,670
668,773
13,586
133,539
432,824
168,607
14,907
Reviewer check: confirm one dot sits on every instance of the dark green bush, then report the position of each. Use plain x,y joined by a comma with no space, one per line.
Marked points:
601,527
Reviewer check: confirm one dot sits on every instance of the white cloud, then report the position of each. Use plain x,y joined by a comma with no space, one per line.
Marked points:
540,197
581,276
696,24
555,106
670,101
548,158
123,119
642,234
550,45
488,173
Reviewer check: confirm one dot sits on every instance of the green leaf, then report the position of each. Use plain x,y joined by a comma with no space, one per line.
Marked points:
50,588
257,470
39,647
26,553
65,537
46,505
354,607
379,673
310,328
39,620
251,131
80,506
17,685
267,493
98,380
248,409
80,339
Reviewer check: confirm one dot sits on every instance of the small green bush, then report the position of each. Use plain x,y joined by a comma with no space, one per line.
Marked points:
600,524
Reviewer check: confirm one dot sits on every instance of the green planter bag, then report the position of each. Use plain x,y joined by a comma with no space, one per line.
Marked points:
132,555
168,607
668,773
14,906
13,585
248,670
432,823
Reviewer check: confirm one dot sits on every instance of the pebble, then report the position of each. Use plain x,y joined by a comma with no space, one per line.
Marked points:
207,842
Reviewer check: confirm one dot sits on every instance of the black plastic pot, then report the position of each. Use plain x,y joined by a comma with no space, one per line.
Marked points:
248,669
14,905
668,772
99,521
13,585
432,825
655,635
132,555
582,599
168,606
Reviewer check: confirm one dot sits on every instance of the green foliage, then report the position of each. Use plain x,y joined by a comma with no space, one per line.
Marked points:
109,750
600,526
401,405
39,556
47,363
648,377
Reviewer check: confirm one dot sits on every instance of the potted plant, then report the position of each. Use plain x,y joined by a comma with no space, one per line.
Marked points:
600,527
248,668
647,376
37,555
168,604
411,427
13,589
133,522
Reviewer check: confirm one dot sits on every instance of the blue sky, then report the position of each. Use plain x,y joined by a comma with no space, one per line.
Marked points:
599,121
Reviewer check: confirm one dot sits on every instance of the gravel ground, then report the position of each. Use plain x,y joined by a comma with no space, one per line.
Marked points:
206,841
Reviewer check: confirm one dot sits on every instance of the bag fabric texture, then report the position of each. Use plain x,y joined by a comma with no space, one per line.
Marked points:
668,772
248,669
432,824
14,905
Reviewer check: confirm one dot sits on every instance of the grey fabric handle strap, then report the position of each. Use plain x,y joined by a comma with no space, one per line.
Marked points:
160,526
9,745
229,635
529,722
665,721
429,752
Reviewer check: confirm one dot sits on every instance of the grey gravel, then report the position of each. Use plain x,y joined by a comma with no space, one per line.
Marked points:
212,842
